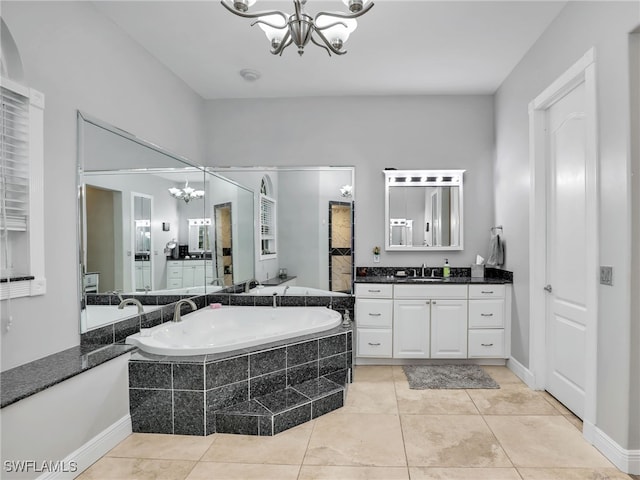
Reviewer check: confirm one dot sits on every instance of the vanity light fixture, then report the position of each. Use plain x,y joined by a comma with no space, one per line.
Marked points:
187,193
328,30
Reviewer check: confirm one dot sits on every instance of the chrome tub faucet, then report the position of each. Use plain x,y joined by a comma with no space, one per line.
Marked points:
176,313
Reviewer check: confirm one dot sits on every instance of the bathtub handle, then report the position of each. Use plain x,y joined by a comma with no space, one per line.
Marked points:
374,344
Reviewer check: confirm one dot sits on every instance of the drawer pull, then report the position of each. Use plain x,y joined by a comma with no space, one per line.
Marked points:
374,314
486,314
374,291
487,344
374,344
483,291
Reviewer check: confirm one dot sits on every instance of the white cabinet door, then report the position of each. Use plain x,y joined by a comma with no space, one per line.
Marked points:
189,275
411,328
449,329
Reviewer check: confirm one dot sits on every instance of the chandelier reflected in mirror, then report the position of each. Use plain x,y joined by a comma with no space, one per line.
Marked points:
187,193
328,30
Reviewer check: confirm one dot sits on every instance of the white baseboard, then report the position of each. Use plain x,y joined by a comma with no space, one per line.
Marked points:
627,461
522,372
93,450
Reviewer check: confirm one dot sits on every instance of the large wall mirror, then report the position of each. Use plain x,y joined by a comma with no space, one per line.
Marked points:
147,223
305,227
423,210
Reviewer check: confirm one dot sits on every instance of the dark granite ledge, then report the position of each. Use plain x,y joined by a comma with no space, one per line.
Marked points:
443,281
17,278
33,377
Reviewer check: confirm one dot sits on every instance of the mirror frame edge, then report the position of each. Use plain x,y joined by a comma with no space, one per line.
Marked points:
391,248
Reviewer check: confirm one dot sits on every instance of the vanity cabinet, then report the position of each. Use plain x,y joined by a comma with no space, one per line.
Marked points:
430,321
142,274
435,321
374,320
487,321
188,273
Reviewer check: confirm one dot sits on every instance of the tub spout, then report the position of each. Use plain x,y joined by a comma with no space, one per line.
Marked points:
176,312
131,301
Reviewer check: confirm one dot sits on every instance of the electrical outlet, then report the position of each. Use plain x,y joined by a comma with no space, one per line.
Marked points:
606,275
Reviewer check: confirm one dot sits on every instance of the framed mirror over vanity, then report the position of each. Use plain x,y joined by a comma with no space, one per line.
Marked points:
424,210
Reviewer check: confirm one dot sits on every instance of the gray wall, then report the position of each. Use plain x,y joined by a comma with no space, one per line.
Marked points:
370,133
580,26
81,60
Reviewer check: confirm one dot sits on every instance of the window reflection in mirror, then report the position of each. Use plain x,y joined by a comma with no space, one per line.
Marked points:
423,209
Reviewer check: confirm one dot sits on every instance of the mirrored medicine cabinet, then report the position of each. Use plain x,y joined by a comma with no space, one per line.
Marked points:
423,210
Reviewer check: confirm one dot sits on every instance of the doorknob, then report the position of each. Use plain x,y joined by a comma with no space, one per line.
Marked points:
548,288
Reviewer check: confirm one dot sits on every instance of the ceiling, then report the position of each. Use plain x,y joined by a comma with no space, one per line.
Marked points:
400,47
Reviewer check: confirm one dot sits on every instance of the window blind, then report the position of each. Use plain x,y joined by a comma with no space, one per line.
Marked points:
267,216
14,160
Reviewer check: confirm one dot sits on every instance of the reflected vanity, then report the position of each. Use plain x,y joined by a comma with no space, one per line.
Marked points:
423,210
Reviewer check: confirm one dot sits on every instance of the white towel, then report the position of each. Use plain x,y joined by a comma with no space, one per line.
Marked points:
496,250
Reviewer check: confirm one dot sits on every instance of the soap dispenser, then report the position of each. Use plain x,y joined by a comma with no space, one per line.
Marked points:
446,270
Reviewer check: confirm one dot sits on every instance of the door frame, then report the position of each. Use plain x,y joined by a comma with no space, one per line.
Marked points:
583,71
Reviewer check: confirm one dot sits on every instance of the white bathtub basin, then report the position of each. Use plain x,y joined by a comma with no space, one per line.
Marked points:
224,329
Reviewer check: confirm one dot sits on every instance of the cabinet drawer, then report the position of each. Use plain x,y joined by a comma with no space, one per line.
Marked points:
430,291
174,272
374,343
371,312
486,291
486,313
174,263
374,290
486,343
174,283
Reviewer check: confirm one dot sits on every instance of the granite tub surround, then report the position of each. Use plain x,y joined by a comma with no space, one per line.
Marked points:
33,377
259,391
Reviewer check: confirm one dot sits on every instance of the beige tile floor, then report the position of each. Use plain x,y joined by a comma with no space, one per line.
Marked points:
386,431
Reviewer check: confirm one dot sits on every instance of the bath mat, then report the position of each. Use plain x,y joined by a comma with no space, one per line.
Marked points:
422,377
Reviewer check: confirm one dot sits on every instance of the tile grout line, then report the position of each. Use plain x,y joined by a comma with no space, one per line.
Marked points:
404,443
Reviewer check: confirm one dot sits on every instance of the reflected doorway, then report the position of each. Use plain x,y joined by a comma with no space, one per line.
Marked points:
224,243
340,246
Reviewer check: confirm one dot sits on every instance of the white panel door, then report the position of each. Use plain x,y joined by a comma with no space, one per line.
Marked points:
448,329
411,328
567,273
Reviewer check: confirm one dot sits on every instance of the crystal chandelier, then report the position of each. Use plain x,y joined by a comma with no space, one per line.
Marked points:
187,193
329,30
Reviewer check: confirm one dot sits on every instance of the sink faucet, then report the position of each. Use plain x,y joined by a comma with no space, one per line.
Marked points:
285,290
415,273
275,299
131,301
247,285
176,312
118,294
424,266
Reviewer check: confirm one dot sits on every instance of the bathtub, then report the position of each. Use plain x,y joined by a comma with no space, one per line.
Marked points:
292,290
218,330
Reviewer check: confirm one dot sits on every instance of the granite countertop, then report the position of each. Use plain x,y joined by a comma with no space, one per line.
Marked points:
275,281
407,280
33,377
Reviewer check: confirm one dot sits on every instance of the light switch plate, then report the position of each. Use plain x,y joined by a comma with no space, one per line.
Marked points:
606,275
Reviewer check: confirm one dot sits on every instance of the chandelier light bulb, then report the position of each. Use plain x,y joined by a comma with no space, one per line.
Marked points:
243,5
354,6
336,30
